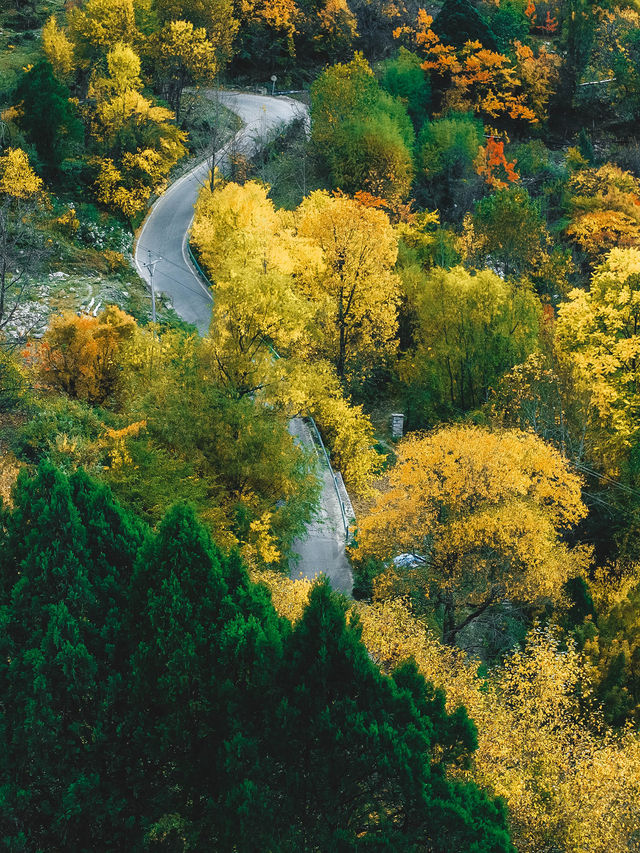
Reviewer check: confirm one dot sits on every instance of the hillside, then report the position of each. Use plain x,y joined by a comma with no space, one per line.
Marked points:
449,238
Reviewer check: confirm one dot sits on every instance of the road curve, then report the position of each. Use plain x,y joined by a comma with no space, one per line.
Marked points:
163,239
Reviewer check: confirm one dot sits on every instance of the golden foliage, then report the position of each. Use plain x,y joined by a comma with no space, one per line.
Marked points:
350,278
83,356
487,82
123,65
483,512
237,227
115,440
598,332
605,210
101,24
180,45
17,178
289,597
58,49
276,276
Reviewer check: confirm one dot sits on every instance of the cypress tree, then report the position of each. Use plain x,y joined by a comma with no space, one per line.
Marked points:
206,644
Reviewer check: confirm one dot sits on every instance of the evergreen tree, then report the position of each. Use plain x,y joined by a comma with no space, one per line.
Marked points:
458,22
67,552
47,115
352,753
206,644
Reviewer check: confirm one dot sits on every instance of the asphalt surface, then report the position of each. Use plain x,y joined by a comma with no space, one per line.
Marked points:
322,550
162,247
163,238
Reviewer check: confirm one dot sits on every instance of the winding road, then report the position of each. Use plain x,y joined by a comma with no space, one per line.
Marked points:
161,250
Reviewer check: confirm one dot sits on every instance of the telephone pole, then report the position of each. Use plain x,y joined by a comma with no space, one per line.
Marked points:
151,266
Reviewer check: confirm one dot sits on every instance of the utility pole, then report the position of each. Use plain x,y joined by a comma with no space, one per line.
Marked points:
151,266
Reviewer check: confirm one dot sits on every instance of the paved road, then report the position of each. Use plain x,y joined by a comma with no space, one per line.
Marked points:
164,234
322,549
164,238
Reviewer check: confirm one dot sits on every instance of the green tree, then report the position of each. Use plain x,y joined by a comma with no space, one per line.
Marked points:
508,233
458,22
65,563
47,115
446,150
359,760
470,329
363,135
402,77
207,641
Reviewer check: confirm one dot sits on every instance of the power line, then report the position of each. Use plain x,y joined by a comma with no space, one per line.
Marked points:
170,277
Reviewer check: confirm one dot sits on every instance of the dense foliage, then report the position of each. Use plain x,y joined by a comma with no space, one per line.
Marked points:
152,694
455,235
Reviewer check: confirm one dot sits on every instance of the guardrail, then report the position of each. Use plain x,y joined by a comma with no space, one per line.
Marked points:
318,441
194,261
317,438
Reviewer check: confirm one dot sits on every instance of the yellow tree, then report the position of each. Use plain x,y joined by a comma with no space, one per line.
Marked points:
59,50
253,313
605,210
84,356
20,191
139,140
482,512
217,17
99,25
123,74
598,333
183,54
236,227
350,280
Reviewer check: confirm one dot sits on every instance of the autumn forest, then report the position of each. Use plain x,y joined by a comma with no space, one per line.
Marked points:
444,233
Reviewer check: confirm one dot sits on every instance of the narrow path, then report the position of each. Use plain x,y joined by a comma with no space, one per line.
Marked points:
163,238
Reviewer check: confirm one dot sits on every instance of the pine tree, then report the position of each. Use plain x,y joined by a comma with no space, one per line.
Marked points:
67,554
206,644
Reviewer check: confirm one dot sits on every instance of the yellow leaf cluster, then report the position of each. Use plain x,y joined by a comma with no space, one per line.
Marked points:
261,548
181,44
101,24
605,210
483,511
83,356
17,178
597,330
484,81
58,49
299,281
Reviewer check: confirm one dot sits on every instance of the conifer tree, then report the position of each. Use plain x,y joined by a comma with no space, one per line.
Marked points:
205,641
352,752
67,551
